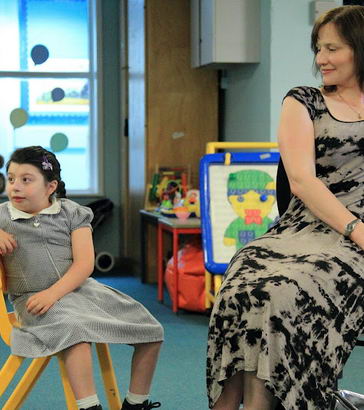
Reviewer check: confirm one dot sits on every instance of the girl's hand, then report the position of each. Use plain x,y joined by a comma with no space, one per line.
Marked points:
41,302
7,243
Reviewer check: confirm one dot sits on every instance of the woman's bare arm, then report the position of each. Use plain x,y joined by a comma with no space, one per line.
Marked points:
297,148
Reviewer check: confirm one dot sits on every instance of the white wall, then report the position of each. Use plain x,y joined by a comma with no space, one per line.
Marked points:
246,108
291,56
254,94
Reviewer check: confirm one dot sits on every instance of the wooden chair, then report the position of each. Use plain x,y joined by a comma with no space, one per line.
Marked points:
36,367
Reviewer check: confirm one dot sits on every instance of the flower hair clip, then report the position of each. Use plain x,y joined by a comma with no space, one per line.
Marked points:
46,165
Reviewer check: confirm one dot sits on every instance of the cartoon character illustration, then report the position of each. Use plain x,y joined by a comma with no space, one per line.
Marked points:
252,194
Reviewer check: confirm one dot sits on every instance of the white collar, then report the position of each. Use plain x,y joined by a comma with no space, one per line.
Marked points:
17,214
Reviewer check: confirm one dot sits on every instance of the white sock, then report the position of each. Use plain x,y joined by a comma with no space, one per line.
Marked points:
136,398
87,402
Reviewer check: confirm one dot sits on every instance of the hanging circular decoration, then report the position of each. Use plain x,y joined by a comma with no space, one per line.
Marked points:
57,94
18,117
59,142
39,54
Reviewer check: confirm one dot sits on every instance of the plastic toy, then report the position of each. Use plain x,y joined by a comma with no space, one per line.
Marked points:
192,202
169,185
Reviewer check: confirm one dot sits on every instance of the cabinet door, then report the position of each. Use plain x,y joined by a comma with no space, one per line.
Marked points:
225,32
182,102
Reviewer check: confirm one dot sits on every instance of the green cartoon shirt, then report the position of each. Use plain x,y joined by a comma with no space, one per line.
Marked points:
244,233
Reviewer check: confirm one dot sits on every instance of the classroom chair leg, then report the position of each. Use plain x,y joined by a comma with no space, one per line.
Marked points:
208,283
217,283
26,383
8,371
108,375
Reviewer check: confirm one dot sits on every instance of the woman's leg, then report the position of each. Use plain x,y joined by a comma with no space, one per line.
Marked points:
230,397
143,364
256,396
78,363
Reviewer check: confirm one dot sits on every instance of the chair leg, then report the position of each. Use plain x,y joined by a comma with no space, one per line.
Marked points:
208,287
8,371
217,283
108,376
26,383
68,393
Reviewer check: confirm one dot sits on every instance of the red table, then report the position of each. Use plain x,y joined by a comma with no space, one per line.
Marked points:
177,227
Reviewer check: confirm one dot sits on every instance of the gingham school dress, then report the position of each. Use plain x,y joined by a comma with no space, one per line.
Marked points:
91,313
292,301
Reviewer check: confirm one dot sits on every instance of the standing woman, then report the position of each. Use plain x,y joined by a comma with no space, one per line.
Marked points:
292,303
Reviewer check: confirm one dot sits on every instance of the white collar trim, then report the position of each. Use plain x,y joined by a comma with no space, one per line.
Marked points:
17,214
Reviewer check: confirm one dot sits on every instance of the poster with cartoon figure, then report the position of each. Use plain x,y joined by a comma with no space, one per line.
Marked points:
251,194
238,202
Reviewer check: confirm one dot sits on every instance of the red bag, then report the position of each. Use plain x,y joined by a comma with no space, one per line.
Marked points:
191,277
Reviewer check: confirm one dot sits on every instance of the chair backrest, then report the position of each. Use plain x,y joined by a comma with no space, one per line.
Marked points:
5,324
284,194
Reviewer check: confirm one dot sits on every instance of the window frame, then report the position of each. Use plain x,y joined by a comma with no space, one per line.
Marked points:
94,77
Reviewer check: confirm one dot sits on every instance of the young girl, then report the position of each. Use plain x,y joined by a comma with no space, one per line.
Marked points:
46,244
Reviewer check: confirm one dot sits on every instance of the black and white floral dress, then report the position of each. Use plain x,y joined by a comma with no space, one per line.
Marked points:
292,302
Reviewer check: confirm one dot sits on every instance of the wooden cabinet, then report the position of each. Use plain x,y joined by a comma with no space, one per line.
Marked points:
173,108
225,32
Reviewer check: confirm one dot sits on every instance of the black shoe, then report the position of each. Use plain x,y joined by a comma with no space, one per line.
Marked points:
147,405
98,407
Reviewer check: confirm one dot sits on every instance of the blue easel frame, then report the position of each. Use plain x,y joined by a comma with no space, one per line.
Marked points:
237,158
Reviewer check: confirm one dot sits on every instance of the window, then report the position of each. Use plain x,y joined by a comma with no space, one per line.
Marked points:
48,82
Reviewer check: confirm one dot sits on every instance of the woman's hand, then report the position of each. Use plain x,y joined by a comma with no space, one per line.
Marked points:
7,243
41,302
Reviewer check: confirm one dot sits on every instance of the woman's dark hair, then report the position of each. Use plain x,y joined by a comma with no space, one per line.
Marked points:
349,22
45,161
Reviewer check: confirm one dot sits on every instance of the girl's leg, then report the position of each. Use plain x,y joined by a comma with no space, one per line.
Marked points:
256,396
143,364
78,363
